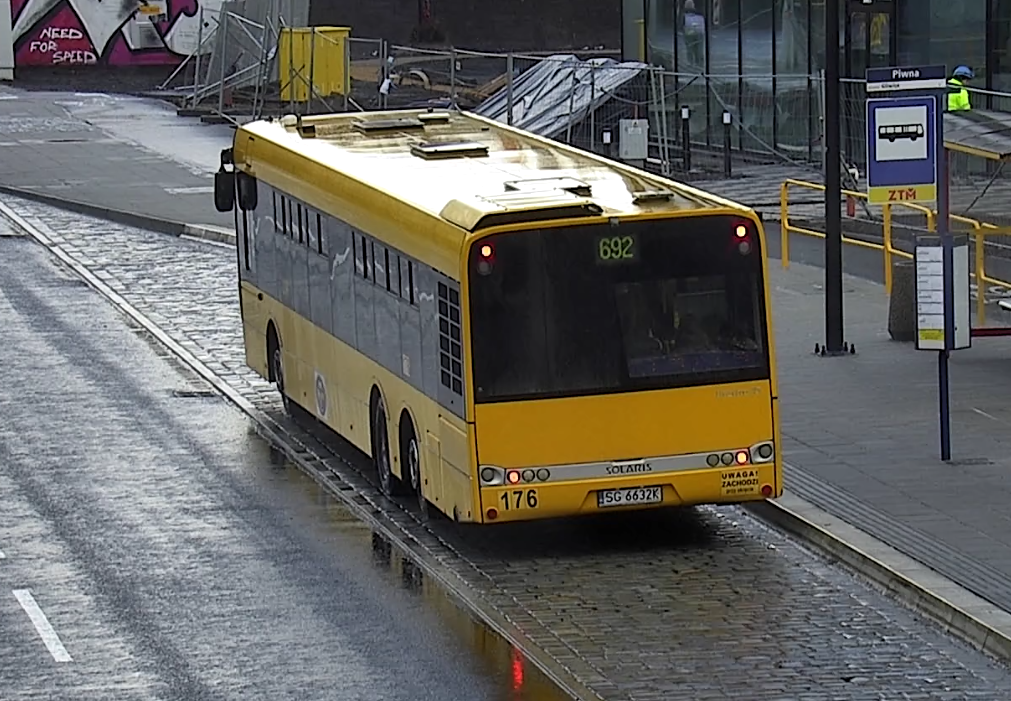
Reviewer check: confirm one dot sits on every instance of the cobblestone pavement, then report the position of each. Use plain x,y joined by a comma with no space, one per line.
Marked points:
699,604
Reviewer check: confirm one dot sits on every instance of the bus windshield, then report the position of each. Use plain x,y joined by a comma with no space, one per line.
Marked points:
599,309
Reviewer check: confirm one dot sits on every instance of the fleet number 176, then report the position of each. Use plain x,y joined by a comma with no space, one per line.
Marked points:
519,499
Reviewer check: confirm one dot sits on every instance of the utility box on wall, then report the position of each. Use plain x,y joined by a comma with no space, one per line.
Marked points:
315,56
633,139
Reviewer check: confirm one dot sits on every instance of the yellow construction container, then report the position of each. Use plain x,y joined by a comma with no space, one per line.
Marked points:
315,56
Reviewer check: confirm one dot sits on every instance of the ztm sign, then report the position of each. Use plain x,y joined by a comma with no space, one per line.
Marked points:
901,150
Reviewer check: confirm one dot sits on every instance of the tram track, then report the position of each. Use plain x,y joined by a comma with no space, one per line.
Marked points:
691,577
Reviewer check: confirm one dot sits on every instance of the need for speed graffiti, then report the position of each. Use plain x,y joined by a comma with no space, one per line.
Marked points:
113,32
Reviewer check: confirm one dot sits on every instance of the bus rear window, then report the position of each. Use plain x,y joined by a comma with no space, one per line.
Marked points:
591,310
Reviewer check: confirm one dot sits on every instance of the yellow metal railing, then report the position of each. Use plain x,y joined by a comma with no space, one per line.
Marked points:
978,230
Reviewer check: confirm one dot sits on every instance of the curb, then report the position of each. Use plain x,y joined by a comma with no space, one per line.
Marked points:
958,611
118,216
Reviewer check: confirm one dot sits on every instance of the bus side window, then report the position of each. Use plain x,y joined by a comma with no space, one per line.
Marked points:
410,280
365,258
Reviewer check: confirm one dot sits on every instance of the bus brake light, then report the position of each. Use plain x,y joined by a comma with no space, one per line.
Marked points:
742,457
741,231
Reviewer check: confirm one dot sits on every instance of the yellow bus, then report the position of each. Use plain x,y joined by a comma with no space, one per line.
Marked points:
511,328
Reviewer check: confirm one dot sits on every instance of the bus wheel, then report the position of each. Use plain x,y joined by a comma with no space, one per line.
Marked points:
277,364
411,456
388,483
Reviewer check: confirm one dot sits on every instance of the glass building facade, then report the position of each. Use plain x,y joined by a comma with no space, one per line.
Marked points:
760,59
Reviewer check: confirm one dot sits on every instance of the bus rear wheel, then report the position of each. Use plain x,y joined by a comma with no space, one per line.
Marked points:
410,453
389,485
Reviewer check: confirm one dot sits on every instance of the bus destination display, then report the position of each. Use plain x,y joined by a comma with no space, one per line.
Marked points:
618,248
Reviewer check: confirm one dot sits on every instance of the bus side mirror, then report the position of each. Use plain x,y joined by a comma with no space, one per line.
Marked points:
247,191
224,190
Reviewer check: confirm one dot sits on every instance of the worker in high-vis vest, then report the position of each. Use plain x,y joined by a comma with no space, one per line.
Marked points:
958,96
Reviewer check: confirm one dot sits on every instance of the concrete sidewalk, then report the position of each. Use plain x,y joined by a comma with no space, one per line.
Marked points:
106,156
860,432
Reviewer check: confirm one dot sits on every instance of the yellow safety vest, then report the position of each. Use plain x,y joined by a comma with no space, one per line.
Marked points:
958,101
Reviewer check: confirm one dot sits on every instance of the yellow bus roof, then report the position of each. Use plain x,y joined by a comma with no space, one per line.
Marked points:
458,167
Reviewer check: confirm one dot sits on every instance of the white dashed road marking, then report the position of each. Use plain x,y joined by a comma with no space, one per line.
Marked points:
41,623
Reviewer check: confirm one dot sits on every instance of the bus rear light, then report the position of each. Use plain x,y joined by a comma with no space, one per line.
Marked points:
492,513
488,474
741,231
513,476
528,475
543,474
741,457
766,490
744,248
713,460
487,251
727,458
764,451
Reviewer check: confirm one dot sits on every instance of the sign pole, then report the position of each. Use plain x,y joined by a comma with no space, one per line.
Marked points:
833,187
947,245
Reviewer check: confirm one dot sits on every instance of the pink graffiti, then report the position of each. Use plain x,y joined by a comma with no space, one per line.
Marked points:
60,36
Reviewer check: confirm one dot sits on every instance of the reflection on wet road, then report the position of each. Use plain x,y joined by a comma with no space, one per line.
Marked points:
154,547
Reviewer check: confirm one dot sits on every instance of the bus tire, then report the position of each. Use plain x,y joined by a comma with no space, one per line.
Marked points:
410,462
389,485
275,360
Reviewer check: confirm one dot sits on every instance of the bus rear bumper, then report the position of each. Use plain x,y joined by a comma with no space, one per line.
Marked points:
526,502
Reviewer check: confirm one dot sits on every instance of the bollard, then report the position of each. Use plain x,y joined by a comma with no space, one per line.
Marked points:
686,140
727,165
902,301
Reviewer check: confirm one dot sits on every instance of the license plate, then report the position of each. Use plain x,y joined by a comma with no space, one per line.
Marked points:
629,496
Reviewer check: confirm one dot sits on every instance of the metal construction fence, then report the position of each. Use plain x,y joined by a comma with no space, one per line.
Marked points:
698,123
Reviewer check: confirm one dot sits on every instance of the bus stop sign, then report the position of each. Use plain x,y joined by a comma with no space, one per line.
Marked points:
901,149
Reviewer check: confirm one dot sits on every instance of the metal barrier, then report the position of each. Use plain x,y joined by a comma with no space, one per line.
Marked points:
978,231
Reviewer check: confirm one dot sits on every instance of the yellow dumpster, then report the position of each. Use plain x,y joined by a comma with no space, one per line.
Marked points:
313,56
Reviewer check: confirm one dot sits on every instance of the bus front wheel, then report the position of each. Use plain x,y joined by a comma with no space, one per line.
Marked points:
389,485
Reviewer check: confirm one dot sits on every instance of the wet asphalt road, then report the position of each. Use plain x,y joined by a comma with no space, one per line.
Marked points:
171,553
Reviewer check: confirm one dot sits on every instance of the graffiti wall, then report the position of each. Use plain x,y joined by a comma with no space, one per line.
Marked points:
111,32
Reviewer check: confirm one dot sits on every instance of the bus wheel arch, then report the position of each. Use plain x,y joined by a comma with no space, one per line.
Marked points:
275,364
379,436
273,345
410,461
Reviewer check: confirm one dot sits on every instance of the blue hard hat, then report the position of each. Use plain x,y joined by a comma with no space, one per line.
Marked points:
963,72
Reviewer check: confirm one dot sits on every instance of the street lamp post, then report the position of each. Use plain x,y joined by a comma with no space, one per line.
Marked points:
834,344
